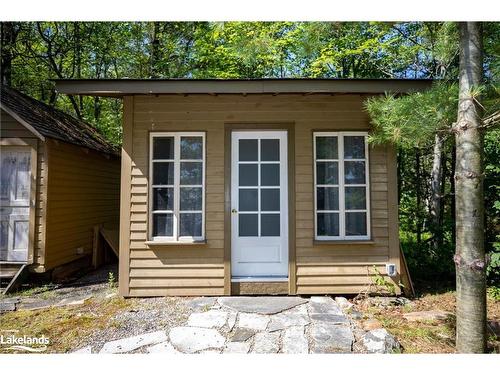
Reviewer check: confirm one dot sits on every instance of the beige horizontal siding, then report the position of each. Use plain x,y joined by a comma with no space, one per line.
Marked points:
83,191
198,270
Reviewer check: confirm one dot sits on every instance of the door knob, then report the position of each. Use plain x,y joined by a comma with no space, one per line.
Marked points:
234,210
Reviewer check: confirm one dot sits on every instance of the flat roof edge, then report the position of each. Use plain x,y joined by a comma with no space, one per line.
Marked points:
122,87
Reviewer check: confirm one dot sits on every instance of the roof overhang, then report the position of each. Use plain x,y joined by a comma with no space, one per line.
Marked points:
123,87
22,121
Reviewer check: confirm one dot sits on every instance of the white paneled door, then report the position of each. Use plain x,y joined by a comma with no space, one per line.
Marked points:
15,204
259,205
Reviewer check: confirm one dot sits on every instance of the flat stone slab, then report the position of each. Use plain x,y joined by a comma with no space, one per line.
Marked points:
261,305
380,341
266,342
163,348
328,338
208,319
131,343
296,316
193,339
431,315
295,341
325,309
231,320
237,348
7,306
253,321
242,334
201,303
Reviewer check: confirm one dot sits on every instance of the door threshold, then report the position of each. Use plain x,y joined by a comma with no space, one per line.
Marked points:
258,279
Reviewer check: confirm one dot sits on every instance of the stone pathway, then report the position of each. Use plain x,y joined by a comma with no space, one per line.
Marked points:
241,325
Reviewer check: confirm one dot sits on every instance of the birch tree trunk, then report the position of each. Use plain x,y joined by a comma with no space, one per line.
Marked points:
469,254
436,191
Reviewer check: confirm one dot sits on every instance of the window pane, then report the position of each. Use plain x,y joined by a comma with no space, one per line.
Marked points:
328,224
270,199
270,175
191,148
163,199
248,175
327,198
248,149
248,225
270,225
355,198
354,147
4,235
20,235
163,225
191,199
327,173
270,150
23,177
355,224
163,173
190,225
354,172
163,147
327,148
248,200
191,173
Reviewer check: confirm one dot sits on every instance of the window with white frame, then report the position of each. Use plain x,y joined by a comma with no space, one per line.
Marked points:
341,186
177,180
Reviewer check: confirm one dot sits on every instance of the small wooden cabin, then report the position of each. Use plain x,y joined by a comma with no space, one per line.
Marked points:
59,179
253,186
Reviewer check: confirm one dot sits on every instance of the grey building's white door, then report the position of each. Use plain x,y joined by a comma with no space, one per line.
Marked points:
259,205
14,204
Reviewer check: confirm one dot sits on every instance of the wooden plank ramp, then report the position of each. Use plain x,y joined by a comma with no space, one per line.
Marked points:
408,288
102,236
11,276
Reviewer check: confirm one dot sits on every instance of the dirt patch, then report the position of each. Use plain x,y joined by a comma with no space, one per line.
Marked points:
425,336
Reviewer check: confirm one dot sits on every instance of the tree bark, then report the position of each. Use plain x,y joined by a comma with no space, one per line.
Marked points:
469,254
436,190
9,31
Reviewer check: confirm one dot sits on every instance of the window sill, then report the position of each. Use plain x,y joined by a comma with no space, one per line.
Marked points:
343,242
176,243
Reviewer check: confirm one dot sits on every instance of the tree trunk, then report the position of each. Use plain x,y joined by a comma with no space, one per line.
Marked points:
436,190
469,254
155,51
418,194
8,40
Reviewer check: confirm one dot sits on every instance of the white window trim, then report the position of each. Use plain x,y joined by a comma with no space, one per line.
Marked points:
341,186
176,186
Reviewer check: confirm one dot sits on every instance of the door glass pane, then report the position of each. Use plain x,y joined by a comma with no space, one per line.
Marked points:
8,168
270,175
163,225
190,225
4,234
163,199
23,177
191,173
163,173
269,149
20,235
328,224
327,198
270,199
248,149
192,148
327,148
248,225
270,225
355,198
327,173
248,200
354,172
248,175
163,148
354,147
355,224
191,199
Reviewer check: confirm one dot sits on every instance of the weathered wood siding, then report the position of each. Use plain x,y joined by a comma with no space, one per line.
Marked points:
83,191
199,270
11,128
